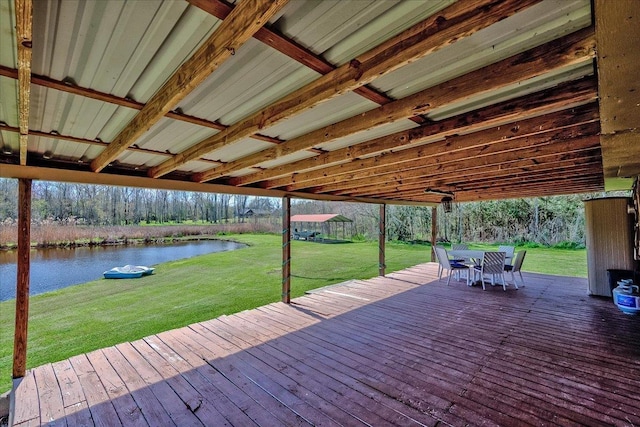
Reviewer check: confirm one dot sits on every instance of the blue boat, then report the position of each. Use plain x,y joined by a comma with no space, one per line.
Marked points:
128,272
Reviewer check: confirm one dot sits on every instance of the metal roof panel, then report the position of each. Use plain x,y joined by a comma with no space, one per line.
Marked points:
532,27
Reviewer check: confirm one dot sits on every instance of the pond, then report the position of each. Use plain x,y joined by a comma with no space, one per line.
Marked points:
57,268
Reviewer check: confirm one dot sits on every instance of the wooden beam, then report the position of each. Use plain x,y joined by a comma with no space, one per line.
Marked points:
572,49
450,181
292,49
435,171
555,173
541,146
434,231
56,135
423,178
510,188
232,33
563,96
83,177
454,22
617,33
22,285
382,237
527,188
69,87
286,249
454,148
24,24
594,184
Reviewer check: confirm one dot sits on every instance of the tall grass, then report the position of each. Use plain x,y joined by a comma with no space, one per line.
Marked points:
51,233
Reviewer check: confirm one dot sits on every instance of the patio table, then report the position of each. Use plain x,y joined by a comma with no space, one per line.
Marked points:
473,254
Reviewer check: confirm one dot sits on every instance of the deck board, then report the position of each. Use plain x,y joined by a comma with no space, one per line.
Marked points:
403,350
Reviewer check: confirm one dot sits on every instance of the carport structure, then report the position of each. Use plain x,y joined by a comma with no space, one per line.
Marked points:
323,220
366,101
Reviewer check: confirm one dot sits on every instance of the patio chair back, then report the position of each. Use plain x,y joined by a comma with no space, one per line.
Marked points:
515,268
459,247
517,264
508,250
441,256
493,263
445,264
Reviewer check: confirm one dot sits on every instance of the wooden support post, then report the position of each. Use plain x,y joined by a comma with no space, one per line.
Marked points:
434,231
286,249
382,237
22,285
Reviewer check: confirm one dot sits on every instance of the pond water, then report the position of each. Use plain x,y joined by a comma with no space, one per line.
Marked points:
53,269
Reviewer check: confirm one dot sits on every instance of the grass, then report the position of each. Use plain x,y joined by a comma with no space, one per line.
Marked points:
102,313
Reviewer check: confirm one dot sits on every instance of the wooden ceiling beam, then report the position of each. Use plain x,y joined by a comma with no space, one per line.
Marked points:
540,183
292,49
457,146
446,173
532,189
536,146
585,170
56,135
85,177
133,148
559,175
477,175
69,87
571,49
459,20
566,95
422,179
532,147
232,33
617,33
24,26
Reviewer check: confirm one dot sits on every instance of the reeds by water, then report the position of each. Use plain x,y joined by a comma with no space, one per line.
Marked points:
56,234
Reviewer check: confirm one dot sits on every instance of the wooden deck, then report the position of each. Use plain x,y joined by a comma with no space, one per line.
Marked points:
400,350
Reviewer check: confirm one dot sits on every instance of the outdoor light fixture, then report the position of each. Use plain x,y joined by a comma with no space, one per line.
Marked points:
447,200
6,150
446,203
47,155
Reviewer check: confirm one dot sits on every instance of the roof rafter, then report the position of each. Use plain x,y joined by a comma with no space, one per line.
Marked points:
421,179
525,188
69,87
449,145
571,49
561,97
587,160
434,159
292,49
232,33
454,22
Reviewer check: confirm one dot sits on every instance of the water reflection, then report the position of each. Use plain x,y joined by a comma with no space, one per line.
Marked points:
58,268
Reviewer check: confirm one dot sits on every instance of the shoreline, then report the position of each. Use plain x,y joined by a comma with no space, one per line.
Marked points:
114,242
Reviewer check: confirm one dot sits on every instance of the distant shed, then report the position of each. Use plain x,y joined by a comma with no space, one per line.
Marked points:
328,232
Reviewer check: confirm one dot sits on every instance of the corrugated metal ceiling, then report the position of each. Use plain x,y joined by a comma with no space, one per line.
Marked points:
130,48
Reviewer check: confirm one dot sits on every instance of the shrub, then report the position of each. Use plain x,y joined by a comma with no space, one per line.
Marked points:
568,245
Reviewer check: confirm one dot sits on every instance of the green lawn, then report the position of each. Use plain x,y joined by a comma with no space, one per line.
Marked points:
102,313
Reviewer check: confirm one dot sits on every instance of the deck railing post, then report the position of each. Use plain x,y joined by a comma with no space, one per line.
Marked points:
382,237
434,231
286,249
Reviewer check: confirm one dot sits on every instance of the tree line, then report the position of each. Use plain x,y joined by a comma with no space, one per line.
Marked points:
546,220
102,205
